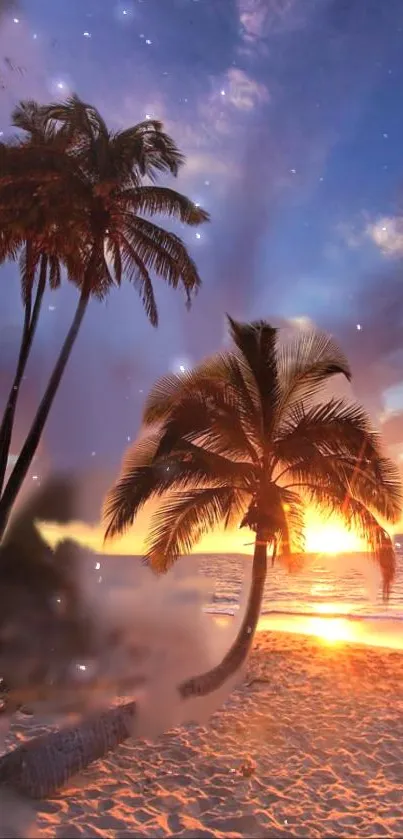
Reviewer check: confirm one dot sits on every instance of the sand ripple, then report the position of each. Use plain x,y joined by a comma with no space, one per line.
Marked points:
311,745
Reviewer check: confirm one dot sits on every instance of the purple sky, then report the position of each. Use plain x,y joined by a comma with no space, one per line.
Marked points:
290,114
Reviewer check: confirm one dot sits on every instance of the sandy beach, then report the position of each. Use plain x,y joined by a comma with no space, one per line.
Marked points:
310,745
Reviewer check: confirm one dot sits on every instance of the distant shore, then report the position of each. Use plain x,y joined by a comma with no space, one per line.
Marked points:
310,744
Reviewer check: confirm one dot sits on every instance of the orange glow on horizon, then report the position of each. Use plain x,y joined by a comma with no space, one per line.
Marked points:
328,537
325,535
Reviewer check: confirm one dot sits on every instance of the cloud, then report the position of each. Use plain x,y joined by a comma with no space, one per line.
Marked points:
252,16
387,235
392,428
352,235
242,91
261,18
236,95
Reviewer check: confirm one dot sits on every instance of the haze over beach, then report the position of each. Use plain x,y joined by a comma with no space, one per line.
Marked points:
201,418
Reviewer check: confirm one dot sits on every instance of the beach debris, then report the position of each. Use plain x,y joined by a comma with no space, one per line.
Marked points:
39,767
248,768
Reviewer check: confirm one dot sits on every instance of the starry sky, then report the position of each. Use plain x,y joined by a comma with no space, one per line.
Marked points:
290,114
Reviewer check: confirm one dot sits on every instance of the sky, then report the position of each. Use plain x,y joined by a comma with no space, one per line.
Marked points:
289,113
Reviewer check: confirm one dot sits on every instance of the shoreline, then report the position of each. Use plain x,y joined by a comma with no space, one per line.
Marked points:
311,743
334,629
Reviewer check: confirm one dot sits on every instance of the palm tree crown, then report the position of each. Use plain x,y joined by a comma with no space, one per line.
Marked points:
244,438
99,186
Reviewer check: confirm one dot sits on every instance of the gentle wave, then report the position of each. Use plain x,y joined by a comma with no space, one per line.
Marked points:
338,588
394,616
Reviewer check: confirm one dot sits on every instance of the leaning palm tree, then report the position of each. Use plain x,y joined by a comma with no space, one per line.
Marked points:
98,189
244,439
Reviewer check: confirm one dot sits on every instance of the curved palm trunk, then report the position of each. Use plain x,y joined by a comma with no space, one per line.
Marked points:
28,334
40,767
238,652
30,446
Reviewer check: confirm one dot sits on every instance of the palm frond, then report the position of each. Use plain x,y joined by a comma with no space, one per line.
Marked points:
173,387
376,482
28,263
135,486
151,469
77,118
29,116
305,364
203,411
335,427
158,200
165,253
54,272
362,521
206,465
136,272
180,522
145,149
291,531
257,343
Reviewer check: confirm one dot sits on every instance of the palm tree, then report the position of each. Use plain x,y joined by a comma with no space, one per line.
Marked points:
29,237
243,439
96,190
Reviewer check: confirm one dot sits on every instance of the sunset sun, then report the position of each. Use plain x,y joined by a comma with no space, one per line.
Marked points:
330,538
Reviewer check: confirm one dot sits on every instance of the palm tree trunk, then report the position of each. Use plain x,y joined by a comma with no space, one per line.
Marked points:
41,766
30,446
238,652
28,334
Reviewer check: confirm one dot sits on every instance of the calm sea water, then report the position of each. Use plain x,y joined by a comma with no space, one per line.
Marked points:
337,598
341,585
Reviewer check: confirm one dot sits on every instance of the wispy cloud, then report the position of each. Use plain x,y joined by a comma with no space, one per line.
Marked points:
237,93
351,233
387,235
243,92
261,18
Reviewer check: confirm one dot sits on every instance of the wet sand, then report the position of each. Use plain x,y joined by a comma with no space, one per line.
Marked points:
311,744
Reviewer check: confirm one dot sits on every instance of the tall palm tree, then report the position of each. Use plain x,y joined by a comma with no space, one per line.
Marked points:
243,439
29,237
97,189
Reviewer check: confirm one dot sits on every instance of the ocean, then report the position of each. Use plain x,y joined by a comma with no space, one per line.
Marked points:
338,598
